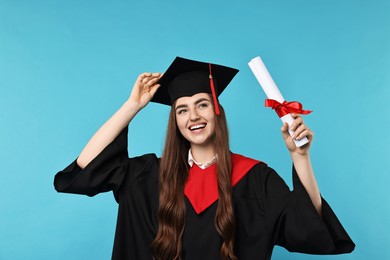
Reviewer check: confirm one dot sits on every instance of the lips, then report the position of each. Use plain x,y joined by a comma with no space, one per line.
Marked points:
197,126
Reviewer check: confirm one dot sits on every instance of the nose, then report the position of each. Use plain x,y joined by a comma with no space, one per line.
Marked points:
194,116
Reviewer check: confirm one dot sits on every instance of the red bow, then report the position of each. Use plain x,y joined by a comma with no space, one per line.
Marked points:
286,107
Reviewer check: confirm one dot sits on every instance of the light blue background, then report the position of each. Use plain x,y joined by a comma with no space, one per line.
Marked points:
66,66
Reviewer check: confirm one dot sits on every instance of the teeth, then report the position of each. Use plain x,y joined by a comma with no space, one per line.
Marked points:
195,127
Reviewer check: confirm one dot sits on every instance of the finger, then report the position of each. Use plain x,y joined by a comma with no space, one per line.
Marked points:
304,133
298,121
143,75
146,74
145,80
151,75
299,129
152,78
154,89
284,127
156,74
151,82
284,130
310,136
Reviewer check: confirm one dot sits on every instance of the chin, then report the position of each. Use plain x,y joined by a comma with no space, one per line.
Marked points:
200,142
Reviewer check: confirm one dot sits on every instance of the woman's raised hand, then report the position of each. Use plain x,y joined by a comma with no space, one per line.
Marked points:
144,88
301,158
300,131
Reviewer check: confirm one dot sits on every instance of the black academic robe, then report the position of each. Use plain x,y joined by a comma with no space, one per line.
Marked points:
267,212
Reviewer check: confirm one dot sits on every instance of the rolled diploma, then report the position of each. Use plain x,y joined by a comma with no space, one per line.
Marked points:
271,90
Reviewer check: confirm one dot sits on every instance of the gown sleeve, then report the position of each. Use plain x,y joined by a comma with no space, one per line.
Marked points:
293,222
111,170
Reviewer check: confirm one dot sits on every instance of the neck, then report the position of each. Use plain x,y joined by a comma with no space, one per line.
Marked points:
203,154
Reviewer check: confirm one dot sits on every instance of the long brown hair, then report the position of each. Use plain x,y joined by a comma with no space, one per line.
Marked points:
174,169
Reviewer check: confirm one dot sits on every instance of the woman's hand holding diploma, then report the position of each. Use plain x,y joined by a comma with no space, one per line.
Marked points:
275,98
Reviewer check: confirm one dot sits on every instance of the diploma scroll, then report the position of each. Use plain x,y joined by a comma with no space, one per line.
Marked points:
271,90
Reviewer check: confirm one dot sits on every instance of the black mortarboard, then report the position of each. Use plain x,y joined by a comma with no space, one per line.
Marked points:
186,77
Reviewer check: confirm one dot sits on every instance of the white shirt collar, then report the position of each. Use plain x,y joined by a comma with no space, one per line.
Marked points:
203,166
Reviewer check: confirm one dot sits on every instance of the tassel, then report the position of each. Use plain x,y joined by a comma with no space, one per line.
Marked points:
213,92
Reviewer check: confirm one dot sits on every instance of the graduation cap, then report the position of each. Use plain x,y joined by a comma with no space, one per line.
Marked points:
185,78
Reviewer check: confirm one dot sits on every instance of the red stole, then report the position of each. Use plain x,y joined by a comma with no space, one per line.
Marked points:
202,186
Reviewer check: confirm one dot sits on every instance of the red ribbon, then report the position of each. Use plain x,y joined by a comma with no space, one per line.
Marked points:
285,108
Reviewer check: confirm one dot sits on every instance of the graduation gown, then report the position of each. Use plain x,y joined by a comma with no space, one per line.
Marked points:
267,212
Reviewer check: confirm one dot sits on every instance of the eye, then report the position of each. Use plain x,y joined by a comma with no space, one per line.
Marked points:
181,111
203,105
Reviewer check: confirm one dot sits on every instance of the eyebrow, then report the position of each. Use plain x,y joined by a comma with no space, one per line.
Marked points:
195,103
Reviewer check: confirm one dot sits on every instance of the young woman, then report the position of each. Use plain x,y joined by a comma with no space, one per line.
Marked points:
199,200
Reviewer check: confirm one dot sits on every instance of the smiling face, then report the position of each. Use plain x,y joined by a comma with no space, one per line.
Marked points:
195,118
